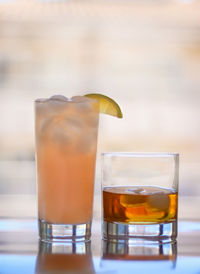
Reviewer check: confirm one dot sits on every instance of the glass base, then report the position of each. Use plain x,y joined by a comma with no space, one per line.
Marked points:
64,232
140,233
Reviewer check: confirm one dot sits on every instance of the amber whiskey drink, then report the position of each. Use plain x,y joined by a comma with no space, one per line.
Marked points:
135,204
140,197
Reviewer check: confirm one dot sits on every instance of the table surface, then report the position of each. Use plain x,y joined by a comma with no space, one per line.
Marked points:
22,252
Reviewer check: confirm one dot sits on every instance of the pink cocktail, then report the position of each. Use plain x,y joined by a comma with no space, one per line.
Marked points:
66,141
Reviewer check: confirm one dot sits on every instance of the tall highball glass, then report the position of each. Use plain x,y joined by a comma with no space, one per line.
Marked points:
66,141
140,197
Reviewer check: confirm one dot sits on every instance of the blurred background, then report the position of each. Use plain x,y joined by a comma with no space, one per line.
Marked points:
144,54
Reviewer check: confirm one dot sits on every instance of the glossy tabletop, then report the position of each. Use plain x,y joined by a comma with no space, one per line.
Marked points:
22,252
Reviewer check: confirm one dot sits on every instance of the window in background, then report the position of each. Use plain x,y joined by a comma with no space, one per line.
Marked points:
145,54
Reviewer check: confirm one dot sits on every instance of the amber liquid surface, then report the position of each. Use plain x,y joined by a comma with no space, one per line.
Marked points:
139,204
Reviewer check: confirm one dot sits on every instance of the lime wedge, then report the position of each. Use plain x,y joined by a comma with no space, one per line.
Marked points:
106,104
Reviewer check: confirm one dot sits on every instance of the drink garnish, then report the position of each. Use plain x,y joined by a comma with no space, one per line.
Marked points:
106,104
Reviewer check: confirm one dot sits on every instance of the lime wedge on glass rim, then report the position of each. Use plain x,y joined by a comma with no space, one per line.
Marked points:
106,104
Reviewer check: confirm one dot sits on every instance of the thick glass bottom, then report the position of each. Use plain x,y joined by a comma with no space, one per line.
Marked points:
140,233
64,232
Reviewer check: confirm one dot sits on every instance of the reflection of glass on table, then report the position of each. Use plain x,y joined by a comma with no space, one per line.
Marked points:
125,257
124,251
140,197
64,258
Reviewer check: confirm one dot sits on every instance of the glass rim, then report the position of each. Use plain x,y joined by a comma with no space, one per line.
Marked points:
140,154
69,100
